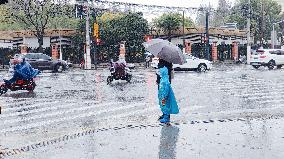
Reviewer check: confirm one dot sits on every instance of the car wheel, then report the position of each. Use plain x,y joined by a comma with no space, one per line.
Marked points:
255,66
271,64
31,86
109,79
128,77
279,66
3,89
58,68
202,68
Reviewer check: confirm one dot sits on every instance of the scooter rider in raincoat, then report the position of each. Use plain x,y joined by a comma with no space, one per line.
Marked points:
167,101
23,70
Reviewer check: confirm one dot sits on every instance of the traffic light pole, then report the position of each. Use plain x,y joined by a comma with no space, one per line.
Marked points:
183,40
87,55
207,48
248,34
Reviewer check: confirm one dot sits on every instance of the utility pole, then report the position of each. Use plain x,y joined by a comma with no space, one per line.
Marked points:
207,48
262,21
60,49
183,29
248,33
273,33
87,54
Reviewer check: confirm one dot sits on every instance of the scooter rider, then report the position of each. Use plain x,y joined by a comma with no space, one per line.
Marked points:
22,70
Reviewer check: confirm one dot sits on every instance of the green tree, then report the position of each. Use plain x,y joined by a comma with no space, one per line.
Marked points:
170,22
220,15
36,14
263,14
6,22
201,16
128,27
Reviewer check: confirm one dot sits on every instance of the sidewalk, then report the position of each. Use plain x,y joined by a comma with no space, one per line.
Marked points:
219,138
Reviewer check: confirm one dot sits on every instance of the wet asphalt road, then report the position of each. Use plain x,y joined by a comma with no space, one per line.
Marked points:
232,111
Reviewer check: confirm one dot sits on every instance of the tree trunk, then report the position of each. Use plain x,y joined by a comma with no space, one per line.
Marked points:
40,42
169,36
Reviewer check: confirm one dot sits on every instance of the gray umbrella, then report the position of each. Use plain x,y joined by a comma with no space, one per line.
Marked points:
165,50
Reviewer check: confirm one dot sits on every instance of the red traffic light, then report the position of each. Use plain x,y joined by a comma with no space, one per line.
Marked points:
148,38
98,41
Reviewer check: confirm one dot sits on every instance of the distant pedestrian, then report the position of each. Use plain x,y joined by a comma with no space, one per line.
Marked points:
82,64
167,101
147,59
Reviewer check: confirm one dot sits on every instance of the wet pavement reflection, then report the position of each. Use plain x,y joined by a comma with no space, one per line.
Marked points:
168,142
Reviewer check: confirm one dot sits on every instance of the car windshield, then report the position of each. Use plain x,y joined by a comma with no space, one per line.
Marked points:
43,56
276,52
31,56
188,56
18,56
258,52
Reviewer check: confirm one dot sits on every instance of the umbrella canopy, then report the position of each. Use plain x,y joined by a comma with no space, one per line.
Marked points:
154,46
165,50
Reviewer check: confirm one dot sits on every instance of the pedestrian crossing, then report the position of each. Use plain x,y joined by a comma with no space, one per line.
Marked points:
194,92
232,89
51,113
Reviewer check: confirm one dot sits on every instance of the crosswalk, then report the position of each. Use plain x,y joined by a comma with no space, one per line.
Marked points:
38,113
195,93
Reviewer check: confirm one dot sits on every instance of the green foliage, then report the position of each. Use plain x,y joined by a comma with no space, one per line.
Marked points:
6,21
221,15
36,15
63,19
201,16
63,22
129,27
115,28
263,14
170,22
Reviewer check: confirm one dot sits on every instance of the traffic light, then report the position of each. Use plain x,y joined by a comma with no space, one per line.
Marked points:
96,30
147,38
98,41
84,10
81,10
281,25
3,1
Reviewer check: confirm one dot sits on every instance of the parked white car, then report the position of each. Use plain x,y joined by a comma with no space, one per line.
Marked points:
267,57
130,65
194,64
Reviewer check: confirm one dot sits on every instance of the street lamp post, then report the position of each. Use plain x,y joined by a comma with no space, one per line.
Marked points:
87,57
207,48
183,26
60,49
273,33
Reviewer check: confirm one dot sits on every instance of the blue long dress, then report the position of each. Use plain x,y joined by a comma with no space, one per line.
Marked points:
166,92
